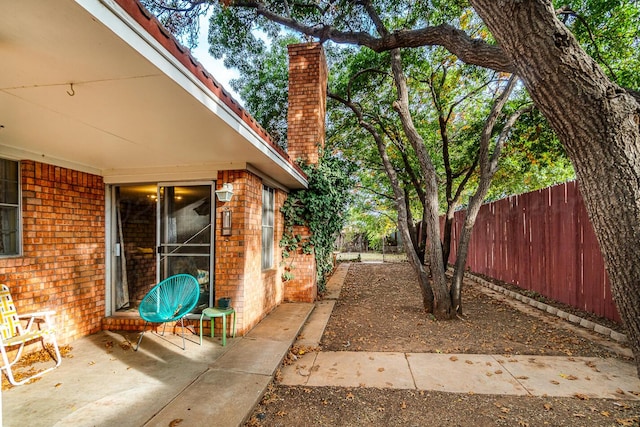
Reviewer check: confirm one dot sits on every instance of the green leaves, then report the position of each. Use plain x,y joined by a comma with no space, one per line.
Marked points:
609,31
322,208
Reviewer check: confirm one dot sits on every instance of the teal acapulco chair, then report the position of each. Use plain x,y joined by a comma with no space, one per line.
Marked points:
169,301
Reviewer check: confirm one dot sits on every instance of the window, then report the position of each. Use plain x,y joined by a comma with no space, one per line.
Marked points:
267,227
9,208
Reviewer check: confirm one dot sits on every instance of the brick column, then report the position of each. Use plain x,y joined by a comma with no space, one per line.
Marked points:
305,136
307,101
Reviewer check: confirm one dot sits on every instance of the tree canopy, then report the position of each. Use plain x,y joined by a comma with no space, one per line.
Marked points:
577,87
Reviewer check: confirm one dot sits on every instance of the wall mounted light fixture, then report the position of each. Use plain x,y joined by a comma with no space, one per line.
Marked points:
226,222
225,193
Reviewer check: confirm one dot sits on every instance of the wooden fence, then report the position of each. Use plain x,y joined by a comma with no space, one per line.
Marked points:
542,241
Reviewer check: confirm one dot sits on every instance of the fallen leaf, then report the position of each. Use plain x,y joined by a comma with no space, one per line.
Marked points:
380,369
453,358
627,422
554,382
569,377
548,407
175,422
581,396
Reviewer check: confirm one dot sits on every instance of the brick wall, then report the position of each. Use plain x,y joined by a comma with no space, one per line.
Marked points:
307,101
238,270
304,285
62,267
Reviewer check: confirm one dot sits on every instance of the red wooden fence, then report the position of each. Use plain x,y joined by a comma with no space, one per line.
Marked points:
542,241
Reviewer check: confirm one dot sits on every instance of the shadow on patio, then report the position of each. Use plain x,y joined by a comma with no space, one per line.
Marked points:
106,383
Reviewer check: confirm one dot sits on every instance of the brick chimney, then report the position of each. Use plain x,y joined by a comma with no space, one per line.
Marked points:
305,136
307,101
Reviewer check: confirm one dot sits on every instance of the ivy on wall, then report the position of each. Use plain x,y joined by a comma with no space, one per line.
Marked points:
323,208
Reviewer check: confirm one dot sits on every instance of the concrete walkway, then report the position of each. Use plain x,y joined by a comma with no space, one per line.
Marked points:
456,373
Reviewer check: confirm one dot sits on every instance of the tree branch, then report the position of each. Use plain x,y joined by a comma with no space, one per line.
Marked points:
469,50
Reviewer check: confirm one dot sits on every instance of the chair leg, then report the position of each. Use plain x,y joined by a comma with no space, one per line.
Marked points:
164,328
184,344
141,335
7,365
56,349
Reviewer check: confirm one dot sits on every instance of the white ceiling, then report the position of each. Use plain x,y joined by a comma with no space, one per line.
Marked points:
83,86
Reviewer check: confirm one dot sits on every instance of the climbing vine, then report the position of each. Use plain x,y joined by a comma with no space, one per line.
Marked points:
321,207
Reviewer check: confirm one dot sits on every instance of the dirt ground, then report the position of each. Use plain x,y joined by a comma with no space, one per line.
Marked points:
489,326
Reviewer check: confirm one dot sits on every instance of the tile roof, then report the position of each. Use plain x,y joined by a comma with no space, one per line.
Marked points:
154,28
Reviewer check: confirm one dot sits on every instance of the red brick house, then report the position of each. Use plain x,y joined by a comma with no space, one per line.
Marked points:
113,141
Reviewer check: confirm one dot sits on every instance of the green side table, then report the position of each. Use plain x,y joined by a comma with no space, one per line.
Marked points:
212,313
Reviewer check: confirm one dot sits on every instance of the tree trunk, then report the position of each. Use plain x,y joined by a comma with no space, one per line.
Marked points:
488,167
446,236
599,125
401,204
439,286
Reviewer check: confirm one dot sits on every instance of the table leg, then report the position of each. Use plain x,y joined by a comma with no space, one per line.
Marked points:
234,323
224,330
201,328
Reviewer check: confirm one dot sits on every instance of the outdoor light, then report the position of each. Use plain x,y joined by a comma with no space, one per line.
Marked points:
225,193
226,222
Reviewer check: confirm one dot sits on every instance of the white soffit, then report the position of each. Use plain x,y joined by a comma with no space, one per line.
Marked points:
132,107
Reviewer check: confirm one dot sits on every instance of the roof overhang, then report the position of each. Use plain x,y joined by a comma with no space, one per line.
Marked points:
86,85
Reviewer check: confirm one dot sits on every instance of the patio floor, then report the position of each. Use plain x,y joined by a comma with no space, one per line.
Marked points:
106,383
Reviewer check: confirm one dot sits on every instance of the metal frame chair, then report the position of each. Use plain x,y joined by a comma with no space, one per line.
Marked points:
169,301
13,333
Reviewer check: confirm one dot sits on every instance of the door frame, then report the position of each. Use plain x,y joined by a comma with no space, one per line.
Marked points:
111,230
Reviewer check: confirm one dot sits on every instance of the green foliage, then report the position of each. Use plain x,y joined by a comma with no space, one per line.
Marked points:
533,159
322,207
263,86
609,31
180,17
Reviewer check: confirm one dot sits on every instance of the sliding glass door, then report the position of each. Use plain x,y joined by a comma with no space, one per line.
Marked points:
160,230
185,235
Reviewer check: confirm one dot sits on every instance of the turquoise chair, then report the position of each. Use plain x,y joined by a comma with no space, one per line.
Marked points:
169,301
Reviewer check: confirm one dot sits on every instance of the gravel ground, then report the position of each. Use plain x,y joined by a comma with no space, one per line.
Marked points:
488,326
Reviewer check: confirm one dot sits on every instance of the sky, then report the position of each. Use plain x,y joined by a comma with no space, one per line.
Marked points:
212,65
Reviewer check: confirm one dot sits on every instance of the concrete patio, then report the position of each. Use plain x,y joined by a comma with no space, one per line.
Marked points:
106,383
